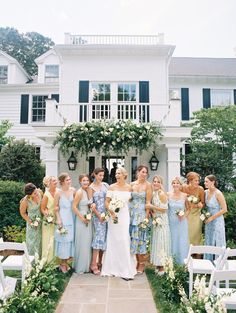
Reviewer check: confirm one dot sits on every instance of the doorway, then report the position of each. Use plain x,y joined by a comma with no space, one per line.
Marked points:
110,164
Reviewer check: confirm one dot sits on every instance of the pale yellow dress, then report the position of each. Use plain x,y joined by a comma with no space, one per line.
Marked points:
48,231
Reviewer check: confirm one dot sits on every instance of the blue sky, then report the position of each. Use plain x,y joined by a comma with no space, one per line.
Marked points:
198,28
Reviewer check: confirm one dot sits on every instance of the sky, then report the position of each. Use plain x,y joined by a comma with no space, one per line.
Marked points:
198,28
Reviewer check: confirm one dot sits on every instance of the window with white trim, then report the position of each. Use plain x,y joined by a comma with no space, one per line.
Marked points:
38,108
221,97
101,92
126,93
51,73
3,74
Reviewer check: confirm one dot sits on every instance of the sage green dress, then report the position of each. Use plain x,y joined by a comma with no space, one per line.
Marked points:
33,235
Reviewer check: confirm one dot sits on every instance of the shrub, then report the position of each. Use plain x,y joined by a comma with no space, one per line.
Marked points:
10,195
230,221
14,233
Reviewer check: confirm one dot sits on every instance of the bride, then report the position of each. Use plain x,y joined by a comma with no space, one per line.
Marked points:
118,260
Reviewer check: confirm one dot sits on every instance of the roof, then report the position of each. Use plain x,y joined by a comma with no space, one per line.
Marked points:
184,66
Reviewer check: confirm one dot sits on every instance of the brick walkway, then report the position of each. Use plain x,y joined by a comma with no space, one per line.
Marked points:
89,293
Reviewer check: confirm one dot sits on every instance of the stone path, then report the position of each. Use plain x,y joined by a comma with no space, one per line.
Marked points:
89,293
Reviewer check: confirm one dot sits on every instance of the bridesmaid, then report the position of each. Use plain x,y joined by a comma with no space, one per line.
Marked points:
160,242
141,195
30,211
64,235
216,206
178,211
99,189
48,211
194,222
83,228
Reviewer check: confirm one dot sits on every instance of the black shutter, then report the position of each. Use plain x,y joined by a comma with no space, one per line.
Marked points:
84,91
185,104
206,94
234,96
24,109
143,91
56,97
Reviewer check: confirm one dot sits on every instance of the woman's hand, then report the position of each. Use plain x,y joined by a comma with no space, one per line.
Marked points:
210,219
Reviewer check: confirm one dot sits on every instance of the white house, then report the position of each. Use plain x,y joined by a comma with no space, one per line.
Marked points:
112,77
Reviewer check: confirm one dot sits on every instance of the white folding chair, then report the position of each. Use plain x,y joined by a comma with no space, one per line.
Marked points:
16,262
228,264
202,266
7,285
228,295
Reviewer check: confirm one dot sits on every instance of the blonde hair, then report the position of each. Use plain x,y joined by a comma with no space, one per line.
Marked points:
178,179
159,178
123,171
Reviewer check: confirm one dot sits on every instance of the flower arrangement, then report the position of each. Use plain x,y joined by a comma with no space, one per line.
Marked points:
156,221
144,224
193,199
115,205
105,216
88,217
204,215
35,222
49,219
106,136
179,213
61,230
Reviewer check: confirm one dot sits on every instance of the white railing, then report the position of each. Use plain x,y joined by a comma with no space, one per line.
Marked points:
113,39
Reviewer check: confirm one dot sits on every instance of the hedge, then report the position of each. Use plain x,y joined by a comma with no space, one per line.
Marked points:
230,218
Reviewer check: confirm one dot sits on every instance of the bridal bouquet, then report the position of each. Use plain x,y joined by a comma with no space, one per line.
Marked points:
62,231
179,213
193,199
49,219
144,224
105,216
204,215
35,222
88,216
115,205
157,221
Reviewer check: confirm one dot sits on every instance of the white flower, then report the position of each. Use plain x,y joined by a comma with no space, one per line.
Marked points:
180,213
140,137
111,129
89,216
98,141
147,127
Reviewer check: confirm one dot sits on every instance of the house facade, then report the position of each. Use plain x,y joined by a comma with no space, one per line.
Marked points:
112,77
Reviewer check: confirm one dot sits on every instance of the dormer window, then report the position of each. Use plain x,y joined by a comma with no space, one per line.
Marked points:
51,73
3,74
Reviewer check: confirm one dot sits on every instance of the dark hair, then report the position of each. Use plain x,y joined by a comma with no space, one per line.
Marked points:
29,189
114,164
140,167
97,170
212,178
81,176
62,177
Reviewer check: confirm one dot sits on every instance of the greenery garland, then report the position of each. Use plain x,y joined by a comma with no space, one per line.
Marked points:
108,136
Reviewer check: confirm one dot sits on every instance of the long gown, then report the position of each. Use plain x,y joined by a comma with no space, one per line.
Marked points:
83,239
178,231
118,260
64,244
100,228
160,239
33,235
215,230
138,236
48,231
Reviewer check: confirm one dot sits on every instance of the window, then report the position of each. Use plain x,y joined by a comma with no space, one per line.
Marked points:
101,92
221,97
126,92
38,108
3,74
51,73
38,152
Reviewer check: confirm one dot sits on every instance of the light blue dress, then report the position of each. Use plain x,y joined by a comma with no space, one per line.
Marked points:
83,239
215,230
139,237
64,244
178,231
100,228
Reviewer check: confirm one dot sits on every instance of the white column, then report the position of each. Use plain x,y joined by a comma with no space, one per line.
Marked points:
173,162
51,160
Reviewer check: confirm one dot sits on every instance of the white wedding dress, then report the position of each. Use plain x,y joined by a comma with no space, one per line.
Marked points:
118,260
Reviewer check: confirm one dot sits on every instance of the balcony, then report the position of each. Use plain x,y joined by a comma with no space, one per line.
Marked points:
114,40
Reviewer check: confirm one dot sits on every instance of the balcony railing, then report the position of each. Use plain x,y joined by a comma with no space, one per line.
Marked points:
113,39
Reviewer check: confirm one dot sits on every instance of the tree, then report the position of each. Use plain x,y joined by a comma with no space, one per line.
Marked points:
25,48
19,162
4,127
213,145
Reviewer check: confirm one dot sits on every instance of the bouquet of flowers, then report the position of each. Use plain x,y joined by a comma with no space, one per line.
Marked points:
204,215
62,231
144,224
179,213
49,219
35,222
88,216
115,205
105,216
156,221
193,199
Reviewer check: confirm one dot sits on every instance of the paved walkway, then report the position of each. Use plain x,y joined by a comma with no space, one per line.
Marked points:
89,293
